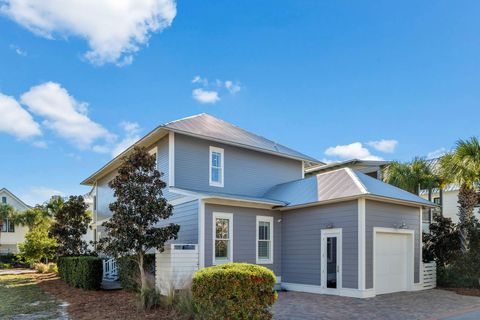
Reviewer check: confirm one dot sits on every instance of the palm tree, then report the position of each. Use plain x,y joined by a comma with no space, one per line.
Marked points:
462,166
412,176
6,212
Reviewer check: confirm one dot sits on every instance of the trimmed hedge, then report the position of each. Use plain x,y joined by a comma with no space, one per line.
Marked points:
129,273
82,272
234,291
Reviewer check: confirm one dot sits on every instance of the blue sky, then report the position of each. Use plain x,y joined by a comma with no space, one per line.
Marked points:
328,78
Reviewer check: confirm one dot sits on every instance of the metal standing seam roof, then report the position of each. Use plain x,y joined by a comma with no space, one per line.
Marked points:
338,184
207,126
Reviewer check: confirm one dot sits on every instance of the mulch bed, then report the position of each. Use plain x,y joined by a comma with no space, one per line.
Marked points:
86,304
475,292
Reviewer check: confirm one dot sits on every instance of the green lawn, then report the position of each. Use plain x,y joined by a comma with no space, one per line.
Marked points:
20,295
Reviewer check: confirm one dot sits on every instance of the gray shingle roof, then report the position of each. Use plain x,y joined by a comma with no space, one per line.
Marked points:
209,127
338,184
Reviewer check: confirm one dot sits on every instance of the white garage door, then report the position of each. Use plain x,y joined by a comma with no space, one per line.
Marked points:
392,257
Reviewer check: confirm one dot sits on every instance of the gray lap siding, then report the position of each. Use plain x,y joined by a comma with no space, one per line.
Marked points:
186,215
244,234
301,241
387,215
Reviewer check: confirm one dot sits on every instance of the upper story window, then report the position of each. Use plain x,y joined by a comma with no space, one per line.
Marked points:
436,200
216,166
4,199
223,237
264,240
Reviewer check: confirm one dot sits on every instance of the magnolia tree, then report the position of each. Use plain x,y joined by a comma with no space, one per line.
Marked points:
139,206
71,221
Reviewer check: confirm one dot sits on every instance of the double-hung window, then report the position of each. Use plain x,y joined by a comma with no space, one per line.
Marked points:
216,166
8,226
264,240
222,237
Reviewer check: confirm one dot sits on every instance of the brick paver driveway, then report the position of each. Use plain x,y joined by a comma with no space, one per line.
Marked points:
428,304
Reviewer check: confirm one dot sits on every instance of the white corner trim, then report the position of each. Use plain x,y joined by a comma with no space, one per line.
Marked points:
201,233
345,292
361,243
229,216
171,159
357,181
420,235
303,169
270,260
222,153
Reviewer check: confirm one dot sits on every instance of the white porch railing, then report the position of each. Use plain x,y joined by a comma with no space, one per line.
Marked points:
429,275
110,270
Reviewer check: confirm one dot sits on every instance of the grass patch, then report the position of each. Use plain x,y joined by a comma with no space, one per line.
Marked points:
20,294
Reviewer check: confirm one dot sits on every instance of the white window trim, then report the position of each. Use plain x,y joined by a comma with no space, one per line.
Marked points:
215,183
270,260
222,215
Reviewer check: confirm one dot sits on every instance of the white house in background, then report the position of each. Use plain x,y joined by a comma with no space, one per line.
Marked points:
11,235
447,199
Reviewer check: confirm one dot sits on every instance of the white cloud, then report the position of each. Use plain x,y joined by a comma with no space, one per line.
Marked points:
200,80
40,144
351,151
39,194
113,29
15,120
384,145
64,115
436,153
132,130
232,87
18,50
205,96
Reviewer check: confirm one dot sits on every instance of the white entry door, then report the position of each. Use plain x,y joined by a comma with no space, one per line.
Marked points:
393,262
331,259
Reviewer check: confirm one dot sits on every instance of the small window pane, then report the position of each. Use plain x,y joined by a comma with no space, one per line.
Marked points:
216,174
11,226
222,229
4,199
4,225
264,249
264,230
221,249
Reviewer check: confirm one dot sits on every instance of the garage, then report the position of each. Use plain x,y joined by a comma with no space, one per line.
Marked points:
393,260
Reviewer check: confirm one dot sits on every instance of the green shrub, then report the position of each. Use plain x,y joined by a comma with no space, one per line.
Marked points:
82,272
234,291
129,273
46,267
5,265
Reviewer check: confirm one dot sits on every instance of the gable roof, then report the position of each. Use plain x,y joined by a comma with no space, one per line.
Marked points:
347,163
211,128
340,184
207,127
5,190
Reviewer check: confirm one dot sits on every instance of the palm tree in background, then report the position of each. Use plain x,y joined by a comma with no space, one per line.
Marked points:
412,176
462,166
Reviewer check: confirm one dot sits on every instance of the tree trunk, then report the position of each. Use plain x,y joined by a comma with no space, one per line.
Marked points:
467,199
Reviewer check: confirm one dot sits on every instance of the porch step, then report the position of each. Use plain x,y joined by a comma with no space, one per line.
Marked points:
111,285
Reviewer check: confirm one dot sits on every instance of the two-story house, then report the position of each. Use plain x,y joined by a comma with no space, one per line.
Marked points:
11,234
243,198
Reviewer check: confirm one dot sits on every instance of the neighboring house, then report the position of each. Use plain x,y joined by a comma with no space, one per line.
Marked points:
243,198
11,234
447,200
372,168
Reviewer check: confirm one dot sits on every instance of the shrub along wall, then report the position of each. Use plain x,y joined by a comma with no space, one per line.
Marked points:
81,272
234,291
129,273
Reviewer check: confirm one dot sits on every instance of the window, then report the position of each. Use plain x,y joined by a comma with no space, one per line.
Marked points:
264,240
216,167
94,203
426,220
8,226
4,199
223,237
436,200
